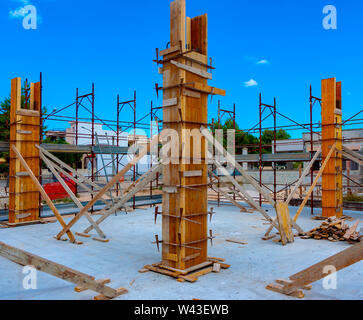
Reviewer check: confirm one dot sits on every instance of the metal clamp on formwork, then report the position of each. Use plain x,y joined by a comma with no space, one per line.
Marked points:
184,245
173,216
210,213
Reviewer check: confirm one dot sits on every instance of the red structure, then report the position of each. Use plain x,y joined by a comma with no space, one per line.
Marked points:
55,190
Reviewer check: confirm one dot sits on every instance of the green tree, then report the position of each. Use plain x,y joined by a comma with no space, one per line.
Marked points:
242,139
268,138
5,132
245,139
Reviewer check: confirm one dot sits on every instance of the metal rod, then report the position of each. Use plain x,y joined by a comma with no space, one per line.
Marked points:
275,149
260,144
311,149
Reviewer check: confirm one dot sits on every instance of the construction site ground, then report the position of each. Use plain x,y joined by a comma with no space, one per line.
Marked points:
253,265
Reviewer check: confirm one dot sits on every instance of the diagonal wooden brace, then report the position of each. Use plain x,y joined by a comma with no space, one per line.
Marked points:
126,197
114,180
44,194
72,195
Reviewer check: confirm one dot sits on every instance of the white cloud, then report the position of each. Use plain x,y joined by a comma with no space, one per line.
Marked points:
18,13
250,83
21,12
263,61
256,60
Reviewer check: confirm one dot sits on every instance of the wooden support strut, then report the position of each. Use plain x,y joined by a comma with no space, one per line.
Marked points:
354,154
106,213
80,181
298,184
44,194
225,194
231,160
351,156
113,181
236,165
315,183
245,194
72,195
306,171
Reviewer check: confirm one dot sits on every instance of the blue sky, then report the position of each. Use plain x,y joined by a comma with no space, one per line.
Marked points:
112,43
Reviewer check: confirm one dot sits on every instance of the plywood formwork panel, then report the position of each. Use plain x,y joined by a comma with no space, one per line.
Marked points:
24,134
332,180
187,115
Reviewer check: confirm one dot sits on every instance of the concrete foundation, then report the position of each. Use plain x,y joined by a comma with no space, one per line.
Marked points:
253,266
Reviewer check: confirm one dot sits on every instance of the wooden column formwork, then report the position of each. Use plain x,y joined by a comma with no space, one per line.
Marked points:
24,135
332,179
185,110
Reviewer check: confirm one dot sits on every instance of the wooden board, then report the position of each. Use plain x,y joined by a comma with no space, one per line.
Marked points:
302,279
83,280
284,220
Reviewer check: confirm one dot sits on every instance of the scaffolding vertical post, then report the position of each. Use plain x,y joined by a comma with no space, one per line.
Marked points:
311,149
77,110
40,137
118,141
234,128
93,139
151,153
260,144
76,133
158,133
26,94
134,175
219,127
275,149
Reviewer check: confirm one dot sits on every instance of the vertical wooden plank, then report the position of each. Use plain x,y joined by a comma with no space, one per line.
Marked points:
284,220
14,164
189,33
171,77
31,98
37,97
196,110
339,157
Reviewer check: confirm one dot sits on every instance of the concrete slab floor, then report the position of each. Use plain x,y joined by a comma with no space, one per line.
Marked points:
253,266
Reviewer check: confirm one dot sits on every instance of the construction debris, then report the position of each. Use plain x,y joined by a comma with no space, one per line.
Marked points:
334,230
236,241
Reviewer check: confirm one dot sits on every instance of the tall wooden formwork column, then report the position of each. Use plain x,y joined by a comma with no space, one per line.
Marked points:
185,111
24,134
332,184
